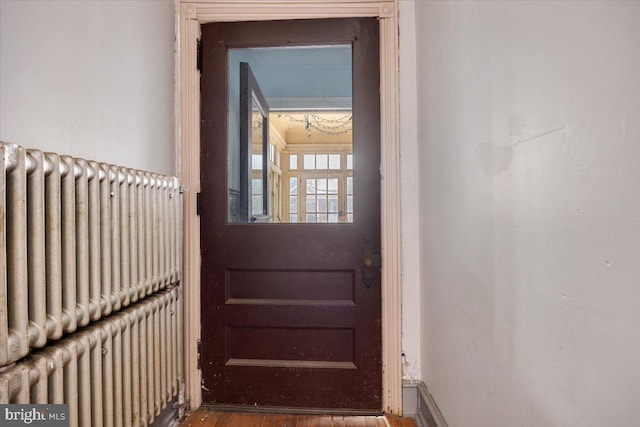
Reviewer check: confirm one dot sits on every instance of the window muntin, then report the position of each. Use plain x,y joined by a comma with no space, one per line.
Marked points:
323,191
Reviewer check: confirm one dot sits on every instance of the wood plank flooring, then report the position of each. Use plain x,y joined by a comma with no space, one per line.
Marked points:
202,418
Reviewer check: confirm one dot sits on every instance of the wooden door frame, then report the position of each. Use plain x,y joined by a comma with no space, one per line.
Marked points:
189,16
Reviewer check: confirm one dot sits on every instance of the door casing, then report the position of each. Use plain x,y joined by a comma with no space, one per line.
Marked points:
190,15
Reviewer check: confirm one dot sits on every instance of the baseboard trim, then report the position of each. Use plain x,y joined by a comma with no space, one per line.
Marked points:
289,411
168,417
428,414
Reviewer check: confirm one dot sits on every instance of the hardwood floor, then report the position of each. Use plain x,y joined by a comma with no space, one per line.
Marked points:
203,418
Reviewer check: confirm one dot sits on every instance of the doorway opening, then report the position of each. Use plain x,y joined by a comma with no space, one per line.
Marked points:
191,16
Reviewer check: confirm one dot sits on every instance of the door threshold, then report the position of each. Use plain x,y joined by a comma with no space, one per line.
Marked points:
289,411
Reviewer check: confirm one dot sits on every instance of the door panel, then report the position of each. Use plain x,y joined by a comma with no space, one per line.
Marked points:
286,318
290,287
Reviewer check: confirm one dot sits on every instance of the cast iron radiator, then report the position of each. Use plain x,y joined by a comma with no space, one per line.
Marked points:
90,295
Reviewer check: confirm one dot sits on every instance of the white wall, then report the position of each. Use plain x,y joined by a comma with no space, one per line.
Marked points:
529,128
92,79
411,335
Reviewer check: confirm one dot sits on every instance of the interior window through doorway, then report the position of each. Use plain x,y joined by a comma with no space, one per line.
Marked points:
290,150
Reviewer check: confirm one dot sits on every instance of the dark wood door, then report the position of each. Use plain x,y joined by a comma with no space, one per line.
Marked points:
290,316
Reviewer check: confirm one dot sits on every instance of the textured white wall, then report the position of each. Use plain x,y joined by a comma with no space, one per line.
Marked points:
92,79
529,129
411,335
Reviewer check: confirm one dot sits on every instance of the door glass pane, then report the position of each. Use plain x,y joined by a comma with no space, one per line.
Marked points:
256,204
334,161
333,204
333,186
309,161
256,162
349,199
311,203
322,161
322,186
311,186
299,101
322,203
256,186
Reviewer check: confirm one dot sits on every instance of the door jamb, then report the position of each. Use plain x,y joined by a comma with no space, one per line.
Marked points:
190,15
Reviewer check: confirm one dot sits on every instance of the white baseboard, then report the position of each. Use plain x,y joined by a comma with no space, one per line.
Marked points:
410,397
427,412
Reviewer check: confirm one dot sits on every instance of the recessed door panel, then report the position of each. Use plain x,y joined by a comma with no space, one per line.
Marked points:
291,287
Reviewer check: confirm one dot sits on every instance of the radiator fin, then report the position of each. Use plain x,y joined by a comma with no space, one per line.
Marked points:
99,370
90,287
79,241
